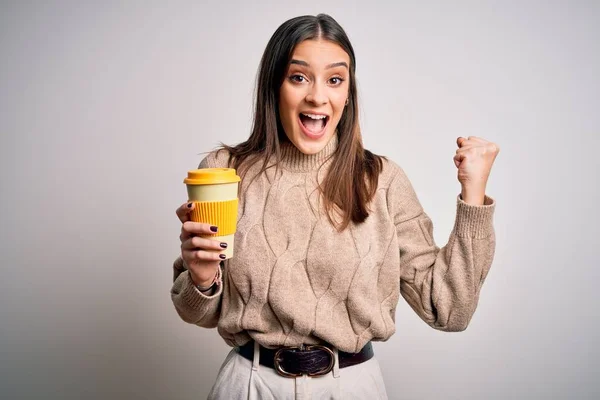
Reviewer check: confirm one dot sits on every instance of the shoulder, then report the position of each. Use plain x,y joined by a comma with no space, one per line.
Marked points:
401,197
392,174
400,194
218,158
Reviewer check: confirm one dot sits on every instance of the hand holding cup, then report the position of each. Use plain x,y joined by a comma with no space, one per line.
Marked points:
201,254
209,221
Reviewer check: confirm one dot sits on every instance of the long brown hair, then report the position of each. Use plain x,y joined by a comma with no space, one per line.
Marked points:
351,181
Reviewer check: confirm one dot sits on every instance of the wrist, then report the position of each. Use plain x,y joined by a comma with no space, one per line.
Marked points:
206,288
201,283
474,195
205,285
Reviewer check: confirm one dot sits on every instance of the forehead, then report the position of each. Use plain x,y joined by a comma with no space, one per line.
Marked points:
318,53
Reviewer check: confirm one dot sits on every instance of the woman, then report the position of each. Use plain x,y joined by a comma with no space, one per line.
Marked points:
329,235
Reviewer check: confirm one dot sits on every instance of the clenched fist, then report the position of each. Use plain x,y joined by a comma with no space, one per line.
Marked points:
474,159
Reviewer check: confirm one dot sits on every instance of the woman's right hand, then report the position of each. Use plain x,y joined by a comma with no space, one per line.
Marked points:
201,255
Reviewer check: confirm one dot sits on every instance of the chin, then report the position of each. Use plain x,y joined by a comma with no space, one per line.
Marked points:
310,147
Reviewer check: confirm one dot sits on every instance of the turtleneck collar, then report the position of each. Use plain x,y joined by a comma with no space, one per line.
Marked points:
294,160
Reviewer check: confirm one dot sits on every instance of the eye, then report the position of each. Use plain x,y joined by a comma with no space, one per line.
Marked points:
297,78
336,80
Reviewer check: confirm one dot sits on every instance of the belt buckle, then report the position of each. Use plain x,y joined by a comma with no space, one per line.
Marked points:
324,371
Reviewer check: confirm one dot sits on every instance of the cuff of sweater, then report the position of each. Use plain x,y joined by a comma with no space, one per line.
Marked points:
195,298
475,221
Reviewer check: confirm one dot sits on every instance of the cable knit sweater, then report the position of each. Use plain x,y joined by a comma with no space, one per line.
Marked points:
294,279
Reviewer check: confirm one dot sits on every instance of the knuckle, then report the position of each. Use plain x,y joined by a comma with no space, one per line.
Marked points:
185,245
202,243
196,242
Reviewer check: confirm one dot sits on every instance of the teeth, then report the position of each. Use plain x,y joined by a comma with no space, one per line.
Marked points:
315,116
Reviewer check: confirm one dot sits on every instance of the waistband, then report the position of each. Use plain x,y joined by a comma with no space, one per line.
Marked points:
312,360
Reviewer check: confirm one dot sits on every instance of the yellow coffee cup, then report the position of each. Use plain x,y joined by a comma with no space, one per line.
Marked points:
215,194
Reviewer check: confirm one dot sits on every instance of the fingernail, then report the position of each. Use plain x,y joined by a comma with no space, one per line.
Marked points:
189,205
222,256
214,228
224,245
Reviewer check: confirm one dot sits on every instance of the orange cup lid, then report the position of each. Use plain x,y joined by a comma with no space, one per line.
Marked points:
211,176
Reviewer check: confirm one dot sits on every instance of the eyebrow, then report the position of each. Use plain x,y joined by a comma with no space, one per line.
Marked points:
332,65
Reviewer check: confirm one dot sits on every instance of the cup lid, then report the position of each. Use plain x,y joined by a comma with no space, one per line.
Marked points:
211,176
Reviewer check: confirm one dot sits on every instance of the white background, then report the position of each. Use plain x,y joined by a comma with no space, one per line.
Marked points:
104,106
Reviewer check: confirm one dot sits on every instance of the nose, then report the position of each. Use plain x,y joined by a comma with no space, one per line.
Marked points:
317,94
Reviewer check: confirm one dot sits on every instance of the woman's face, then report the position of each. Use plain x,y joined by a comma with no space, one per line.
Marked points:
313,95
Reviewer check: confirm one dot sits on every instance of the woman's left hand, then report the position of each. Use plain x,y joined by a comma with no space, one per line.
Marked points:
474,159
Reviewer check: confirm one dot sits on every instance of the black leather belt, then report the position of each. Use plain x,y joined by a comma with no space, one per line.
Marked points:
312,360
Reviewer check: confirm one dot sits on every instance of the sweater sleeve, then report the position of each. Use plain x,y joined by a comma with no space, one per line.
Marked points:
442,285
192,305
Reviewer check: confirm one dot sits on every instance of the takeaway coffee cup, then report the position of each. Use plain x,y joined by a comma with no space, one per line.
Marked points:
215,194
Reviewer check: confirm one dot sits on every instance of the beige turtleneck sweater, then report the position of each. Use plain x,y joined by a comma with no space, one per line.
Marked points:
294,279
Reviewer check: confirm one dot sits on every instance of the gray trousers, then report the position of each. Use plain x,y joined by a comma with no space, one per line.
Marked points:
240,378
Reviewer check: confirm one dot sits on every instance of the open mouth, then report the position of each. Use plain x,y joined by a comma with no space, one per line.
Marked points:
314,123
